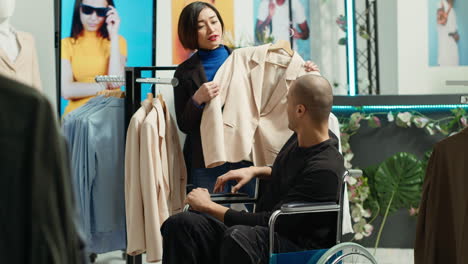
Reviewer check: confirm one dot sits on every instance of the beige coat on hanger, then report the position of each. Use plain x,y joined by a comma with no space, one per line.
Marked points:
154,188
155,178
254,120
136,243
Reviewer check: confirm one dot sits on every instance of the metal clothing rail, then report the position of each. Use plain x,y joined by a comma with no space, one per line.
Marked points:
133,81
121,79
109,78
170,81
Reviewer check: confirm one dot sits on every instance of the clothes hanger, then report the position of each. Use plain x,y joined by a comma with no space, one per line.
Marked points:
101,92
150,97
163,103
120,94
114,93
117,93
160,98
282,44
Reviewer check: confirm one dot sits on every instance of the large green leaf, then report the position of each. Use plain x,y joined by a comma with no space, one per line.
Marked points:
399,180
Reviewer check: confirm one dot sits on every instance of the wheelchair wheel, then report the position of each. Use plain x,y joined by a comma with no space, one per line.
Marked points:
347,253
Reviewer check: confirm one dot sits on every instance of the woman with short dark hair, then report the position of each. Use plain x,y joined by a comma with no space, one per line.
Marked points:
201,28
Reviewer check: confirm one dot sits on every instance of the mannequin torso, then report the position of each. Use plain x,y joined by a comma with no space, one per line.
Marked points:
8,40
18,57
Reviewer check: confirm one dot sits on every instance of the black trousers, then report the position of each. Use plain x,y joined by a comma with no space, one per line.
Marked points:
192,237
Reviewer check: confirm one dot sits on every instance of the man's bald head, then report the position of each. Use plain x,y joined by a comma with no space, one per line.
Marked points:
315,93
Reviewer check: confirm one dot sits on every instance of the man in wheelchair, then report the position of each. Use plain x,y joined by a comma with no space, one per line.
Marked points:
308,168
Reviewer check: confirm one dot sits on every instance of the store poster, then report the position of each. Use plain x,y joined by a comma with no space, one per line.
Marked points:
225,8
280,28
136,27
448,33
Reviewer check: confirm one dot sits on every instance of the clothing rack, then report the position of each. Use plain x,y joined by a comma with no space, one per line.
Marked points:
133,81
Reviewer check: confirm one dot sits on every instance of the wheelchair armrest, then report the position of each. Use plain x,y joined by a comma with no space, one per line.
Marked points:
302,208
295,208
355,173
298,208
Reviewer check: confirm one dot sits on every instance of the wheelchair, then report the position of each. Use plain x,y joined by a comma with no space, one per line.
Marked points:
341,253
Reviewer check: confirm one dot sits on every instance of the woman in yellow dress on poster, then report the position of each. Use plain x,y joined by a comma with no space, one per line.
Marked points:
94,48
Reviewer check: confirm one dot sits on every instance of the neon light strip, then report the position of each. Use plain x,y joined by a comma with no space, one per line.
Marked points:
350,33
397,107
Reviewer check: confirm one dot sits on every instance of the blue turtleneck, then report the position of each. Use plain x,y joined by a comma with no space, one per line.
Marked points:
212,60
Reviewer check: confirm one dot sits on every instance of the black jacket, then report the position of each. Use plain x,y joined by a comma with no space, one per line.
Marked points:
311,174
36,212
191,76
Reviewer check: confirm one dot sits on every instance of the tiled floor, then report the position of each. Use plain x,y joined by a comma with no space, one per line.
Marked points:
383,256
394,256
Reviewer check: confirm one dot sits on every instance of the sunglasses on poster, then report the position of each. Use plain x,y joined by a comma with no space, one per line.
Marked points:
88,10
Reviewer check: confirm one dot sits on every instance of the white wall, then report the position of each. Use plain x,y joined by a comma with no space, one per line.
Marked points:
163,33
388,49
37,18
243,20
324,35
414,74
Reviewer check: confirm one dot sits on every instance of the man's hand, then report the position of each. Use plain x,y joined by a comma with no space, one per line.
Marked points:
199,199
242,176
311,66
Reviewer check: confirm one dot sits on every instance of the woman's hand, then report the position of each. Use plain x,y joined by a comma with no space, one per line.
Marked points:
206,92
311,66
242,176
113,22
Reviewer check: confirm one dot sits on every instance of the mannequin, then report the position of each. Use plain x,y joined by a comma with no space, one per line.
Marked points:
18,58
8,41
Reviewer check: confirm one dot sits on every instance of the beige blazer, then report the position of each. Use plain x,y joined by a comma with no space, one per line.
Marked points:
154,187
25,68
155,177
176,165
163,154
133,197
253,94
